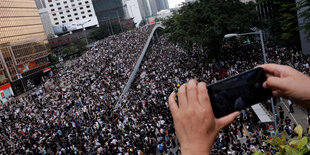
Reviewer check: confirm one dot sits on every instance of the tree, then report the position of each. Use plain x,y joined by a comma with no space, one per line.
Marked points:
282,145
204,23
304,7
106,29
280,21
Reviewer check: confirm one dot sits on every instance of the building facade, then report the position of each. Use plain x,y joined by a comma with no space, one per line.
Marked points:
141,10
70,15
305,43
23,52
45,18
109,9
162,5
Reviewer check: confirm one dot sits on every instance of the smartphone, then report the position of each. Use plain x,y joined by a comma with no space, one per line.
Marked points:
238,92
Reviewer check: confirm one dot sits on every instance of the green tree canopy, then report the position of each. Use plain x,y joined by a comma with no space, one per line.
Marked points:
204,23
280,22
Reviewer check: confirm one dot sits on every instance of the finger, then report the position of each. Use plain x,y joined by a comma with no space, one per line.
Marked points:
274,83
276,93
192,92
203,96
173,104
182,96
224,121
273,69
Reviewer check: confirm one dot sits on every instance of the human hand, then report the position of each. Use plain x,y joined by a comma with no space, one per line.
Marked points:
288,83
194,121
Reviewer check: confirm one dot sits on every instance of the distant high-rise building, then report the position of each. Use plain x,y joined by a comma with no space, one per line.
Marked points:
141,9
69,15
186,1
23,52
109,10
305,43
45,18
162,4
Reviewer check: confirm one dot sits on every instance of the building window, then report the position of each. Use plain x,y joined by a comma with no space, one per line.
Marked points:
50,1
87,6
84,16
90,15
75,14
59,8
65,2
70,20
77,18
71,0
56,23
61,13
89,11
62,17
81,8
54,14
58,3
63,21
80,3
86,2
74,9
69,15
52,9
51,5
82,12
55,18
73,5
66,6
68,11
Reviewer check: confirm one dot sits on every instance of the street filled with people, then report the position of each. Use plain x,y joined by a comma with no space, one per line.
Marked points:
73,111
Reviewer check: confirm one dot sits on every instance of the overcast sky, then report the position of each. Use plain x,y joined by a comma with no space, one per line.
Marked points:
174,3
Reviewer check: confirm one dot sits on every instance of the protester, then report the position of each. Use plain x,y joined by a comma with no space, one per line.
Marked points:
73,112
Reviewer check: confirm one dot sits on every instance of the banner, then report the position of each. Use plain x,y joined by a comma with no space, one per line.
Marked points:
75,25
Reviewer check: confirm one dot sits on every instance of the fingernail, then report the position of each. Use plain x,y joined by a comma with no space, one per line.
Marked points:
265,84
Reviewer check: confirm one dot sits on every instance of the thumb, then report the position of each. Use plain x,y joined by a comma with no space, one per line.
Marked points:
222,122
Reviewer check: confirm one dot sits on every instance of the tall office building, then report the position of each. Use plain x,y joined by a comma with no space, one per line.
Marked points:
162,5
109,10
141,9
186,1
305,43
23,54
45,18
69,15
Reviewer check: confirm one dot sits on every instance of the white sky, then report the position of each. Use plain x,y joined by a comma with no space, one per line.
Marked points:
174,3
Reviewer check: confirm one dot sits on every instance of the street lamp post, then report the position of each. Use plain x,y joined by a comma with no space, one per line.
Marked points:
260,33
82,24
119,21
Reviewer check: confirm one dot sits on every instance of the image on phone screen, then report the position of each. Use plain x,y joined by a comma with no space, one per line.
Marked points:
238,92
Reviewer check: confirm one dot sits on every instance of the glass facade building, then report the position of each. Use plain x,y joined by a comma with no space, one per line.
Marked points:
108,9
22,42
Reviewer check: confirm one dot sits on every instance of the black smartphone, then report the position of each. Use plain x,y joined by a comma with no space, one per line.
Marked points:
238,92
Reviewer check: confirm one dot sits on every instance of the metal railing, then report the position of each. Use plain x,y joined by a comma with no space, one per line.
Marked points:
137,66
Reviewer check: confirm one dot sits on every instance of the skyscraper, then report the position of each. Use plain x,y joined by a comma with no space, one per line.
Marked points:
109,9
162,5
70,15
186,1
23,54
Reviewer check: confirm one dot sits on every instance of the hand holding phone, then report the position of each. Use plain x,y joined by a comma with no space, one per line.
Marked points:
238,92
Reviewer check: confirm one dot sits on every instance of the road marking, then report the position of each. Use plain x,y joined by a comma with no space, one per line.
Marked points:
289,111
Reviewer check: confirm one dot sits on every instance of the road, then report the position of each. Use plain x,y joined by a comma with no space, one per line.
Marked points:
298,117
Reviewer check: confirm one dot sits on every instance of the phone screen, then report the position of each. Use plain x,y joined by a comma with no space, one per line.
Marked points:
238,92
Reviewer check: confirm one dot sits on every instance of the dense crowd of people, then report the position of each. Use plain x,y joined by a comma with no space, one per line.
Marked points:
73,111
